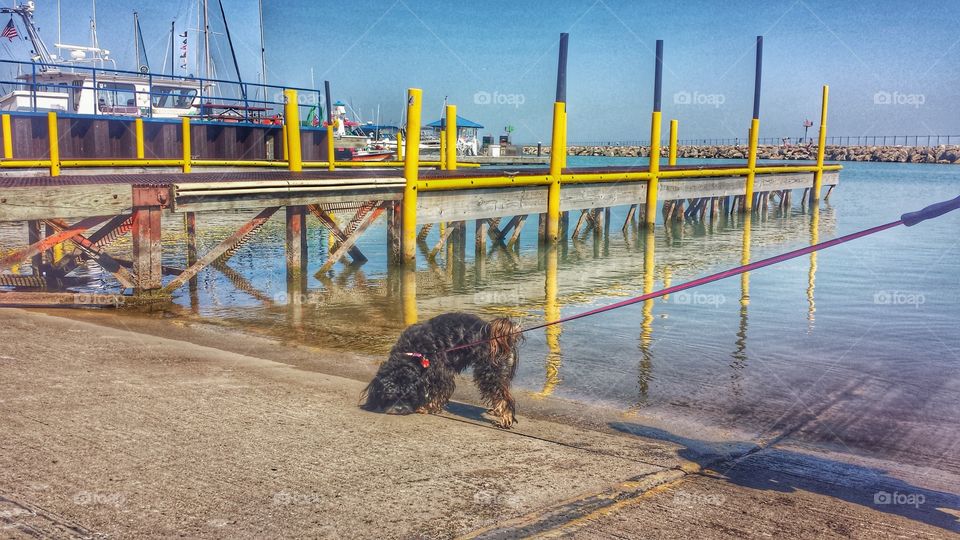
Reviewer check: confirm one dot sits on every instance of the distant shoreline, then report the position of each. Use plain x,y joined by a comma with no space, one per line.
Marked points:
942,154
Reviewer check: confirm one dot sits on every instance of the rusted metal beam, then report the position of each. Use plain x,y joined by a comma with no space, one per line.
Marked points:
44,244
424,231
88,247
223,251
296,242
347,243
328,222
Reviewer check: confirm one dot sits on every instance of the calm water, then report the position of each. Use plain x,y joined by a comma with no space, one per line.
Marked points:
858,350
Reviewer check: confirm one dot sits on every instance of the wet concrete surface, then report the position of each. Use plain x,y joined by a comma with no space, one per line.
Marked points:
127,427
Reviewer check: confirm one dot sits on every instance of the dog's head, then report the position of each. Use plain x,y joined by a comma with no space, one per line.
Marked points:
398,388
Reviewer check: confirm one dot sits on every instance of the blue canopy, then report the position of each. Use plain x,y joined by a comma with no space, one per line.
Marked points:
461,123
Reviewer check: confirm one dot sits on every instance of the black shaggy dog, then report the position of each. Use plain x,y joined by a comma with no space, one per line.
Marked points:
419,374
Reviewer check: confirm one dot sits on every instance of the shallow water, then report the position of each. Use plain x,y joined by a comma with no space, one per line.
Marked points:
856,348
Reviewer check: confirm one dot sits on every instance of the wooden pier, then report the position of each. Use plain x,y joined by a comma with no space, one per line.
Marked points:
86,204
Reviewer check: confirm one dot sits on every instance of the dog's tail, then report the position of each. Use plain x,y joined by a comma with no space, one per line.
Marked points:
505,336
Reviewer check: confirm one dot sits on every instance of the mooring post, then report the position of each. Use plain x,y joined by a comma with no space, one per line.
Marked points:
331,150
185,143
411,172
54,136
451,125
754,131
291,117
821,148
7,137
557,144
148,202
296,250
653,185
138,136
672,160
443,149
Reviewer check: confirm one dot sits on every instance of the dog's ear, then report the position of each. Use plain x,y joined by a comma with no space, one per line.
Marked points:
504,337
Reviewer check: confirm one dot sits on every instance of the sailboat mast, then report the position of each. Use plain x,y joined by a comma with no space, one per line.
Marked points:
136,37
263,51
173,34
206,38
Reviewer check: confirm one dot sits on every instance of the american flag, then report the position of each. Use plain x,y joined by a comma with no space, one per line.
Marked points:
10,30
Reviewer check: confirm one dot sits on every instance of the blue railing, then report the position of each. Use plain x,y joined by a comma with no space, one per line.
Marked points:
253,102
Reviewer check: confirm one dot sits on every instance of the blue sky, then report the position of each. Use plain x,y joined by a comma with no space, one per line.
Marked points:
891,66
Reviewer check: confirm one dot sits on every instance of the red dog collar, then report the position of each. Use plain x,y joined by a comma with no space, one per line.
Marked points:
424,361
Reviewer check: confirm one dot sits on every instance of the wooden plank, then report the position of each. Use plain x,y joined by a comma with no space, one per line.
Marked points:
256,202
23,203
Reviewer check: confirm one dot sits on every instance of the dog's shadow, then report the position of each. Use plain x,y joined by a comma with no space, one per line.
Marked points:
466,411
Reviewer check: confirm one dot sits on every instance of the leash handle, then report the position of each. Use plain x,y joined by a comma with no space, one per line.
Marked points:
934,210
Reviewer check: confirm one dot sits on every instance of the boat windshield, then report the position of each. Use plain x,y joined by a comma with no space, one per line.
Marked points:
174,98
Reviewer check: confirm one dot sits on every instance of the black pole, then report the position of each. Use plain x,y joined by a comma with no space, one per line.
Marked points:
756,83
562,69
658,77
236,65
326,89
173,35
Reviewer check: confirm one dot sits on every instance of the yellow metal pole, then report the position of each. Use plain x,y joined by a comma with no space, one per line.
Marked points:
744,260
672,160
185,136
557,151
331,151
7,138
551,312
399,146
451,137
812,272
408,289
291,117
751,164
138,135
653,184
443,149
411,174
54,136
563,138
283,136
821,147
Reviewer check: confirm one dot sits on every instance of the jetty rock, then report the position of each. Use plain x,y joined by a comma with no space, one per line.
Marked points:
805,152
